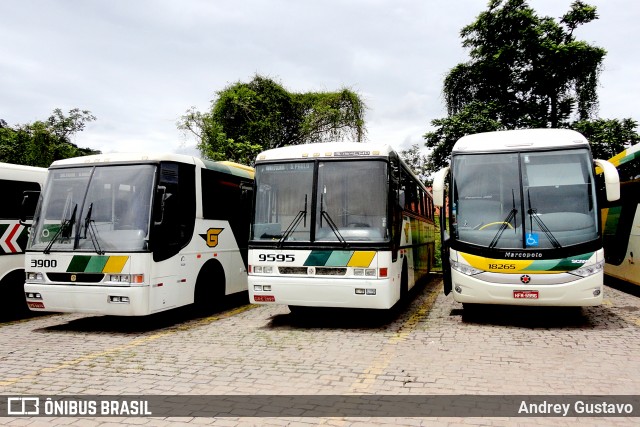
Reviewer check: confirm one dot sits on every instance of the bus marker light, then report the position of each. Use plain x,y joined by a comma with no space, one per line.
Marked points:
359,291
35,304
371,291
33,295
596,292
384,271
257,287
266,288
458,289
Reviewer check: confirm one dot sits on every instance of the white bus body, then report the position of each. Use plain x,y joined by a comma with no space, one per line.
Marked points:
14,181
621,220
338,225
135,234
523,219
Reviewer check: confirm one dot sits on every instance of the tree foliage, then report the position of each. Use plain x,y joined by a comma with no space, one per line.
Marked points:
524,71
246,118
42,142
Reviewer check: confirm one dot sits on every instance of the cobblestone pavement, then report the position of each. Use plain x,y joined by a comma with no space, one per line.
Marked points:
429,346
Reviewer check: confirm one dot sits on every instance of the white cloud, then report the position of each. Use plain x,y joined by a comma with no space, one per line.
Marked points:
138,66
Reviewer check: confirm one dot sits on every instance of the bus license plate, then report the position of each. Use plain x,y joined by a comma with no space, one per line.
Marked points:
264,298
525,294
32,304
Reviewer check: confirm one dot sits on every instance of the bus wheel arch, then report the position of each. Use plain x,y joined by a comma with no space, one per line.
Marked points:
210,287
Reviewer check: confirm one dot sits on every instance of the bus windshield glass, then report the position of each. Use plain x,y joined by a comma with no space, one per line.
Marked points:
95,209
350,202
528,200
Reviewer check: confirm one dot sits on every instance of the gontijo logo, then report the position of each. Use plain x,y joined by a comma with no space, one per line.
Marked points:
211,238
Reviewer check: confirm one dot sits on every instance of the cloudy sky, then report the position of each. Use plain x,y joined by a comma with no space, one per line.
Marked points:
139,65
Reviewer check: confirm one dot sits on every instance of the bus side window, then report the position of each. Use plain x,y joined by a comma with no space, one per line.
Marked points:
13,193
178,216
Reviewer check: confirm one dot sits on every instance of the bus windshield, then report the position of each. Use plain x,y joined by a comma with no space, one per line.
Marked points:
95,209
527,200
350,202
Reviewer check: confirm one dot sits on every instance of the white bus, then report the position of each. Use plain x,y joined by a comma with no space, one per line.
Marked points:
523,219
135,234
621,220
338,225
14,181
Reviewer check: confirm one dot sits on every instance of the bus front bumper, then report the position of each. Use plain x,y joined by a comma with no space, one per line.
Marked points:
317,292
582,292
106,300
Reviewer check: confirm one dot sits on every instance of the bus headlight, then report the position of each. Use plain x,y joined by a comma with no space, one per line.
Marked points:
34,277
464,268
589,270
127,279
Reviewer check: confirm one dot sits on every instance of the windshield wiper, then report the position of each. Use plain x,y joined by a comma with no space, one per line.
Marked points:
296,221
533,215
89,225
64,232
506,222
324,214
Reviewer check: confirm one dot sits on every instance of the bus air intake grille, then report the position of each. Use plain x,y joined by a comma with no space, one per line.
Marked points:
292,270
75,277
329,271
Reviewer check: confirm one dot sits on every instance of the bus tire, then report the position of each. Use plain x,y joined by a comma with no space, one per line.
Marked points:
404,281
210,288
14,302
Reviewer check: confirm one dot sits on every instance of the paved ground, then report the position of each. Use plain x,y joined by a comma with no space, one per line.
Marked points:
427,347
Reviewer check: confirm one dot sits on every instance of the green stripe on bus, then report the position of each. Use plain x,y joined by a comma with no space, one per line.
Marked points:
78,263
339,258
317,258
96,264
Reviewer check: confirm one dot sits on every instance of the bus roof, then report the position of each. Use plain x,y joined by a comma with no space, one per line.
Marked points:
12,172
223,166
327,150
517,140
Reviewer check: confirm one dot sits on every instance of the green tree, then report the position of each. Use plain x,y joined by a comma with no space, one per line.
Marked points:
42,142
524,71
246,118
417,161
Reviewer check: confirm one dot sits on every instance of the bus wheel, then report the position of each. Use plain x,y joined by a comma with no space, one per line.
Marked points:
404,281
300,310
210,289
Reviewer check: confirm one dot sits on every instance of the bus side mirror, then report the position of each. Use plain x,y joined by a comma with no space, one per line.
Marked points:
158,204
28,206
611,179
438,186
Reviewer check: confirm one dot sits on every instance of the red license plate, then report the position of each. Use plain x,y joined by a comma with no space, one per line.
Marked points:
35,304
525,294
264,298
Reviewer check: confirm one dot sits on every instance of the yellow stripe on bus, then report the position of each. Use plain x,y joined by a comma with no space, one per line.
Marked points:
115,264
361,259
496,265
